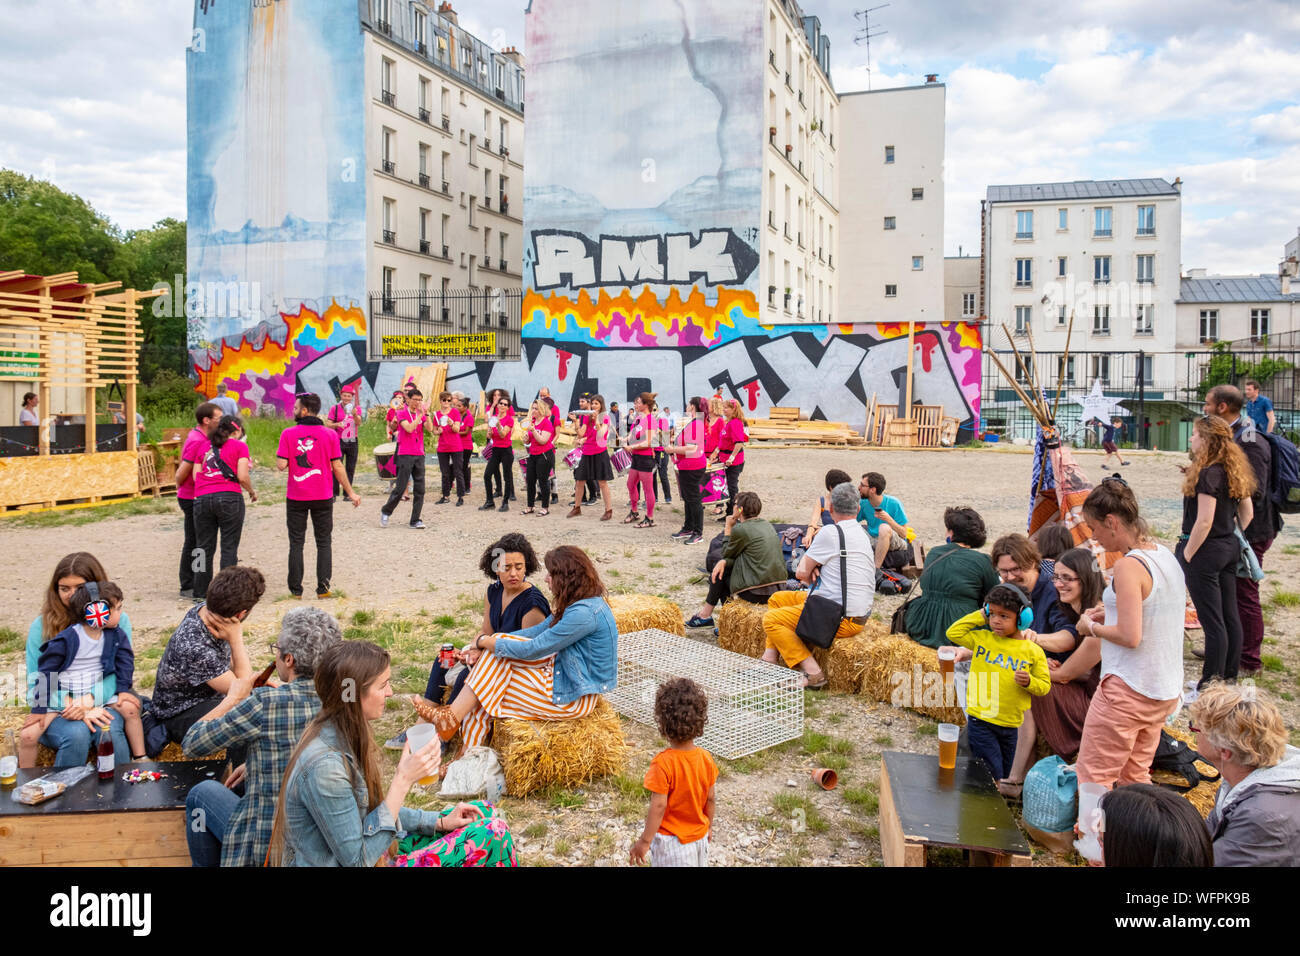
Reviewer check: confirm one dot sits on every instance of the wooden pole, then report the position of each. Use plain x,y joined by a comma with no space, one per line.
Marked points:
132,438
911,361
1015,385
1039,396
1065,359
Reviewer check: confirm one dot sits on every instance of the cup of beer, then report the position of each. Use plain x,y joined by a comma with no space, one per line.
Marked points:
948,734
947,660
418,737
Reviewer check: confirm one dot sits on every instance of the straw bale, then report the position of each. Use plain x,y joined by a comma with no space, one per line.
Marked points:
845,662
638,612
897,654
1204,794
537,754
740,627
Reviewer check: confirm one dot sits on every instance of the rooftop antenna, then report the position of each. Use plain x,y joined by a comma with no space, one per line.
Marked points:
865,35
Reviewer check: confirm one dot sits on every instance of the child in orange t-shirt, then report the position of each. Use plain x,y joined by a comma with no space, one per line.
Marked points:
681,780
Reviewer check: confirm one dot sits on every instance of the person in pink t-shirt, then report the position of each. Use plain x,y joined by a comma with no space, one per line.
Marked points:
310,451
206,417
220,469
410,424
641,440
594,434
691,462
539,434
557,418
730,453
501,456
451,448
714,420
663,431
345,418
467,416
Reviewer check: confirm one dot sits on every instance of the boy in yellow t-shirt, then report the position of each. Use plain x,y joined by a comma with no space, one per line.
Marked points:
1004,672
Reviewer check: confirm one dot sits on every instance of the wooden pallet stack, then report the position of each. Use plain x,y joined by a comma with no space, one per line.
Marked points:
786,425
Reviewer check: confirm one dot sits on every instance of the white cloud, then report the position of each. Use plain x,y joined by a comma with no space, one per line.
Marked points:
1280,127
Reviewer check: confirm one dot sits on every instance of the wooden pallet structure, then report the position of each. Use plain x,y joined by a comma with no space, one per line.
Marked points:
788,425
58,332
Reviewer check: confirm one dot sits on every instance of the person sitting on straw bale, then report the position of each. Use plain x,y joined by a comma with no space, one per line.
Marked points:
1146,825
820,567
955,579
681,780
886,523
555,670
821,515
752,566
1256,815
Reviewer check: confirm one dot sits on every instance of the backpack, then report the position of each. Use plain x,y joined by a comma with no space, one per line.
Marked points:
887,582
1174,756
1284,474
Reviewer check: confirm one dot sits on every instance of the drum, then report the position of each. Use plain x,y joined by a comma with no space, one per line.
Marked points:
715,487
621,459
573,457
386,460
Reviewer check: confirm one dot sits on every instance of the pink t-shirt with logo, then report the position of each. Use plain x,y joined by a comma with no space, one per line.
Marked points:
343,413
208,479
412,442
592,442
640,427
692,435
185,490
448,438
467,439
713,432
541,438
309,450
506,424
732,433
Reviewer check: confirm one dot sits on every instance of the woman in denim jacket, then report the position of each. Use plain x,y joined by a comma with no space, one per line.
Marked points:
555,670
333,810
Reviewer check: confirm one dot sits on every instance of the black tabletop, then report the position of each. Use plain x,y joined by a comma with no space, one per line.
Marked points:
960,807
92,795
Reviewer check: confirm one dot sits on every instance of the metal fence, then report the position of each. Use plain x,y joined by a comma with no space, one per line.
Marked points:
1273,362
460,312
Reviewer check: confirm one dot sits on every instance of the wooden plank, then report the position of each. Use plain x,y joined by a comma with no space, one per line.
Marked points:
32,478
88,838
894,845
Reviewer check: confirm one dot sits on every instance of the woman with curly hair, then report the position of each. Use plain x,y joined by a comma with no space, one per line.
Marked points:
555,670
511,605
681,781
1216,495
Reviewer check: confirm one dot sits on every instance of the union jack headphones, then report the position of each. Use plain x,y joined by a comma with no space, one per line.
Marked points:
97,610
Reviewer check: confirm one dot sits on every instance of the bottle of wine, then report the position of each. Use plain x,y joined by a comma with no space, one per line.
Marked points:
104,760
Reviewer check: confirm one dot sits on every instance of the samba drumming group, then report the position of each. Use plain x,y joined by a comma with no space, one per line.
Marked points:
706,446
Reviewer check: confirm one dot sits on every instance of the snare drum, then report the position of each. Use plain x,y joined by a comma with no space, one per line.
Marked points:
621,460
386,460
573,457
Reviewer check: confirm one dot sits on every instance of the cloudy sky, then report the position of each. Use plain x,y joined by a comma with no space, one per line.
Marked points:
1037,91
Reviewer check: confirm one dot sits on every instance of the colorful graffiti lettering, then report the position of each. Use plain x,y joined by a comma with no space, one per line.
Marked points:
642,320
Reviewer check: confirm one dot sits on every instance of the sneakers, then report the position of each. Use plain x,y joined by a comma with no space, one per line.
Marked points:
487,507
442,501
1105,467
1126,463
680,535
693,539
383,520
700,622
460,502
396,743
505,507
322,595
417,525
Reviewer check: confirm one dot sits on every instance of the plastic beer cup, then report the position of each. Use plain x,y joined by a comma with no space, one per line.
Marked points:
418,737
947,660
948,734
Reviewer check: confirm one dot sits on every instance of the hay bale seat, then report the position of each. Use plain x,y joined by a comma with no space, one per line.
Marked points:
1205,793
13,718
893,654
538,754
740,630
639,612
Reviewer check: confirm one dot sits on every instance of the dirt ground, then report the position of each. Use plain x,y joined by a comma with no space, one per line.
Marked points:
418,588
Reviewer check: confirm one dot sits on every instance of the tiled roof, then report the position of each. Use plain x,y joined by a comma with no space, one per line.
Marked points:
1082,189
1261,288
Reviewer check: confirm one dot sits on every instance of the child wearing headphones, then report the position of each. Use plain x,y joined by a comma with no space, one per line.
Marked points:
1005,670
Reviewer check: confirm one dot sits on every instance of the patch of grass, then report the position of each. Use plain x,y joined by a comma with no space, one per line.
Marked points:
1287,696
864,798
813,742
1291,549
841,745
656,564
145,680
1283,598
629,552
883,740
833,761
836,718
863,829
927,729
567,799
613,573
562,847
792,857
445,621
95,513
748,764
602,843
536,830
362,618
797,809
1272,662
11,640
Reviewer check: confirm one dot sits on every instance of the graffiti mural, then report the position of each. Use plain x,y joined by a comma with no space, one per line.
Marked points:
276,191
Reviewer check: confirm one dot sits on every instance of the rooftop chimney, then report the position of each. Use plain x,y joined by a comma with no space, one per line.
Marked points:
932,78
1196,273
510,53
446,10
1178,183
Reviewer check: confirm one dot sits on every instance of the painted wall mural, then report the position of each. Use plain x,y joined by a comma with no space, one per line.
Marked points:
276,191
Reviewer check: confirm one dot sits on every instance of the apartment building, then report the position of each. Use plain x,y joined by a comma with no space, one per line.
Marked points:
892,182
797,244
1244,310
444,136
1106,252
961,288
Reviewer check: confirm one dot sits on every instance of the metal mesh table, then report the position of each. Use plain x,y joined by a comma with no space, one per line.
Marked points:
752,705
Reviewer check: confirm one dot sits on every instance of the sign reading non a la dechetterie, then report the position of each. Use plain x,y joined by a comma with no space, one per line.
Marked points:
451,346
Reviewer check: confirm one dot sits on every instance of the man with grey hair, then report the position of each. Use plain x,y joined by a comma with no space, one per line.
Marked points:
222,827
820,567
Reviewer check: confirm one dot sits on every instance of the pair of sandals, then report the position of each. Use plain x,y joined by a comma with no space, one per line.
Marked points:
817,681
540,512
646,522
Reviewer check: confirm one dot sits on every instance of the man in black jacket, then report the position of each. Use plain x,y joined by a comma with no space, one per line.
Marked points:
1226,401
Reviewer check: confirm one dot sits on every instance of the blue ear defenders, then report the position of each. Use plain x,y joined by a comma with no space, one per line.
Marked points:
1026,615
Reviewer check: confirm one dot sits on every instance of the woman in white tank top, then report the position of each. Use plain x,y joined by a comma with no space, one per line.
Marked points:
1140,624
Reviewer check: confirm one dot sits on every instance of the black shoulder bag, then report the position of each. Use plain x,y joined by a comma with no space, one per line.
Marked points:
820,619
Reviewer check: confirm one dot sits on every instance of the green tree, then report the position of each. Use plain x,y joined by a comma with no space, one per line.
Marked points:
45,231
157,255
1218,370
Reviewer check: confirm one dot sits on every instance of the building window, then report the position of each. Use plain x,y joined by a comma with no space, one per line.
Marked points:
1259,323
891,291
388,283
918,192
1101,369
1060,315
918,263
1023,313
1101,270
968,305
1062,220
1069,370
1025,224
1209,325
1101,222
419,19
1062,266
1024,273
890,222
389,150
1146,220
889,154
1148,370
390,218
386,80
1101,320
1144,322
1146,268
